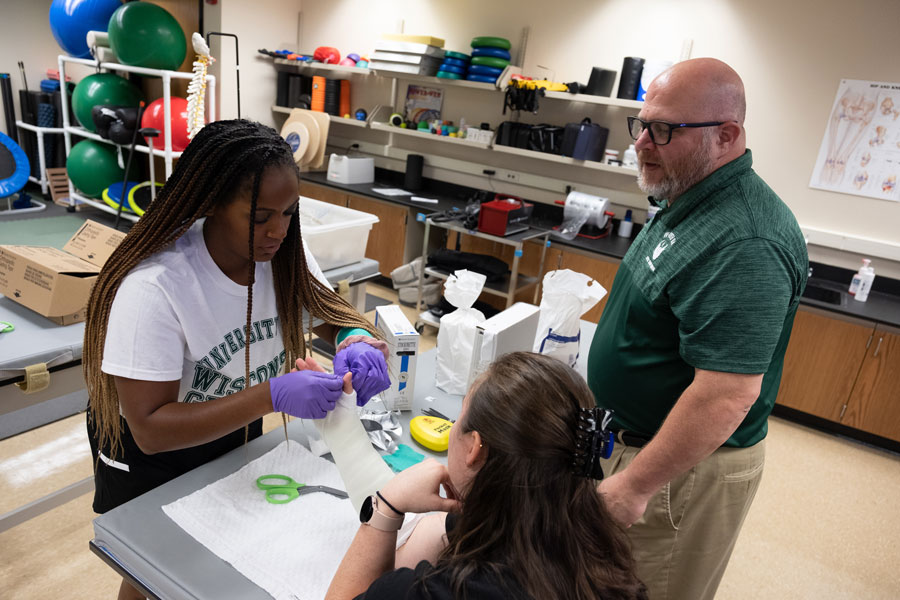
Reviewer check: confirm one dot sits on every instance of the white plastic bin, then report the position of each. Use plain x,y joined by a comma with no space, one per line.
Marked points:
335,235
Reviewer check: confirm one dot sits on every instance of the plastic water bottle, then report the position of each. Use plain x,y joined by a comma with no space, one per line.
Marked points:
629,157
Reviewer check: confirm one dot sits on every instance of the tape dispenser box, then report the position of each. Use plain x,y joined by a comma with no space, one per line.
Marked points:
403,345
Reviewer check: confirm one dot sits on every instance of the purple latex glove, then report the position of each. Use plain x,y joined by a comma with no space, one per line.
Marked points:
369,369
305,394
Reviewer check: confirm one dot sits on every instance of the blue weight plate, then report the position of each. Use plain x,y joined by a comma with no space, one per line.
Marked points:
482,78
456,62
452,69
493,52
486,71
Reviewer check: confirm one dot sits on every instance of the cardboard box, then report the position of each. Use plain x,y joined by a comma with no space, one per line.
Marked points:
511,330
56,283
403,342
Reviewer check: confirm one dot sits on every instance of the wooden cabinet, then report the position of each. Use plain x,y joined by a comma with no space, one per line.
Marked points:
325,194
844,370
387,239
874,404
821,363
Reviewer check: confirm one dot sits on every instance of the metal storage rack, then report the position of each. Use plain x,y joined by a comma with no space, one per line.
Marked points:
507,288
166,151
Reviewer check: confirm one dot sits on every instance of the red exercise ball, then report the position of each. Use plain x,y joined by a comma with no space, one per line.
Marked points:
154,116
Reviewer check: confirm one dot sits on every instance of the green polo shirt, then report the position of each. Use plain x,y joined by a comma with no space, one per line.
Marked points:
713,283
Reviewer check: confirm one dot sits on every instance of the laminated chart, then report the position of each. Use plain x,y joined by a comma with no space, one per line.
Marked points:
860,152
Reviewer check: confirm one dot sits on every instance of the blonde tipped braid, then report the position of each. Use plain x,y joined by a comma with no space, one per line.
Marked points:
224,157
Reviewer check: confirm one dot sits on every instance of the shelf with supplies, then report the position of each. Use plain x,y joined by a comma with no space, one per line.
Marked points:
431,80
333,118
590,99
82,132
511,283
70,128
381,115
497,288
323,67
566,160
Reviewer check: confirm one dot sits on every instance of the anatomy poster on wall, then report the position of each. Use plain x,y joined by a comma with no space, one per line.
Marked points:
860,152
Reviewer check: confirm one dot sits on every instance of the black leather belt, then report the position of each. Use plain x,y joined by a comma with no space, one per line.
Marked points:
630,438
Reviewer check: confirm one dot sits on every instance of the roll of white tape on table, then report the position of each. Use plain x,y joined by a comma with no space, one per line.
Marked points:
297,136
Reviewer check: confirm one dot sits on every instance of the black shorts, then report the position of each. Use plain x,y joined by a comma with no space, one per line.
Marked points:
118,479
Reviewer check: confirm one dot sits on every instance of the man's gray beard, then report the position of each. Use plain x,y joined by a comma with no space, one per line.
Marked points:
691,170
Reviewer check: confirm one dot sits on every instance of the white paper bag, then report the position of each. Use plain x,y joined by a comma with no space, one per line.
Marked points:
566,296
456,335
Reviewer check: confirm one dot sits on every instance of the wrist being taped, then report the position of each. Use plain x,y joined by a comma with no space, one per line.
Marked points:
346,332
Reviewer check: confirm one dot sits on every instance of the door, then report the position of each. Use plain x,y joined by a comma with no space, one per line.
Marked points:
822,361
874,404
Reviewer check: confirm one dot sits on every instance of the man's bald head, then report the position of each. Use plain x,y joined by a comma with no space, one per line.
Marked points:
705,89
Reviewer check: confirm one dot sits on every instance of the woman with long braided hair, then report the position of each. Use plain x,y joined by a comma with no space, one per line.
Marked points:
197,313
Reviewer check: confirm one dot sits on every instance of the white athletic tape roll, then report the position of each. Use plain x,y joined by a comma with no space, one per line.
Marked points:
297,136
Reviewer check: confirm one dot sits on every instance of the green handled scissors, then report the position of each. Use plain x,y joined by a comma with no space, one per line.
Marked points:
281,489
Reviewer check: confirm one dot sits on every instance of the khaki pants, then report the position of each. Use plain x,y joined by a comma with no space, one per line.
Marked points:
683,541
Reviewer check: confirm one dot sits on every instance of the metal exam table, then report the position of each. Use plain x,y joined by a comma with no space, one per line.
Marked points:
37,340
163,561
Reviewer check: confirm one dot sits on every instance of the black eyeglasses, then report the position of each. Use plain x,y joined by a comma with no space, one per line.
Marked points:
661,131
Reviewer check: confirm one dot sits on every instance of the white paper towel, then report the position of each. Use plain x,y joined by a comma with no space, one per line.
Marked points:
290,550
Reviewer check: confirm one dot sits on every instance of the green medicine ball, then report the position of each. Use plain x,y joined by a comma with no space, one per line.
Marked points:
102,88
92,166
146,35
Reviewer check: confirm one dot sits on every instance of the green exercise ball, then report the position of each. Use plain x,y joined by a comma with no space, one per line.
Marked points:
102,88
146,35
93,166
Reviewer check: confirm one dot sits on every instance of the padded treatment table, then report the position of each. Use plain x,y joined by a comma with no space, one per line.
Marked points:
140,542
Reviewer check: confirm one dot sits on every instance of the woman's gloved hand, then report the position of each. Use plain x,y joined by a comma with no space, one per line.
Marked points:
305,394
366,361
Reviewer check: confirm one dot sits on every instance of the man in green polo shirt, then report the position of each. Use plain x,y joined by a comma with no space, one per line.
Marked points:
689,350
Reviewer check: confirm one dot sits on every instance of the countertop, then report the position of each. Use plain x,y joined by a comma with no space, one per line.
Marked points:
882,306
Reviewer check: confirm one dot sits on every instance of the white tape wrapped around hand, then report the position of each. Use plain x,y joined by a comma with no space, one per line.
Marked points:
363,470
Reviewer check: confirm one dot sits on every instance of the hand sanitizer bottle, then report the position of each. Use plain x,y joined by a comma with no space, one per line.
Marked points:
862,282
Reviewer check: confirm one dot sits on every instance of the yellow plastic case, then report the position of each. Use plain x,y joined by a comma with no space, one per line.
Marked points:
431,432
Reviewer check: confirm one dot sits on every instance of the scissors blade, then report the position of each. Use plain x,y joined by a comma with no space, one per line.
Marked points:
311,489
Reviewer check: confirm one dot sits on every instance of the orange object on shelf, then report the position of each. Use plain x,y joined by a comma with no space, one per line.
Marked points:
318,94
345,98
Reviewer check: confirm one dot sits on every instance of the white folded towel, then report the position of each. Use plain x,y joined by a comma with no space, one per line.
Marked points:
290,550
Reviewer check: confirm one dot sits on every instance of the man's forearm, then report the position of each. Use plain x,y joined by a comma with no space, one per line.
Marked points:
705,416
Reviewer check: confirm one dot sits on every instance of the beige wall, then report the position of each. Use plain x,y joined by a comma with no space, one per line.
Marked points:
791,54
26,36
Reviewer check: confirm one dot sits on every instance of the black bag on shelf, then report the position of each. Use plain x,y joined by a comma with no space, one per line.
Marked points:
515,135
449,261
545,138
585,140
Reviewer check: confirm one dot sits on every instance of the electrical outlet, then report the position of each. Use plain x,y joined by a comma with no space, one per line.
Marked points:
511,176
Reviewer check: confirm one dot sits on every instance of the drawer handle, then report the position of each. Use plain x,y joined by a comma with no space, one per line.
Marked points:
878,347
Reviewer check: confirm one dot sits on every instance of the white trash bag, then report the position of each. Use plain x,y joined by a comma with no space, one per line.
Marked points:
566,296
456,336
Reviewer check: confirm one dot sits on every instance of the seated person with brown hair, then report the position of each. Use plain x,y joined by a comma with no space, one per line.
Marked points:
523,519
